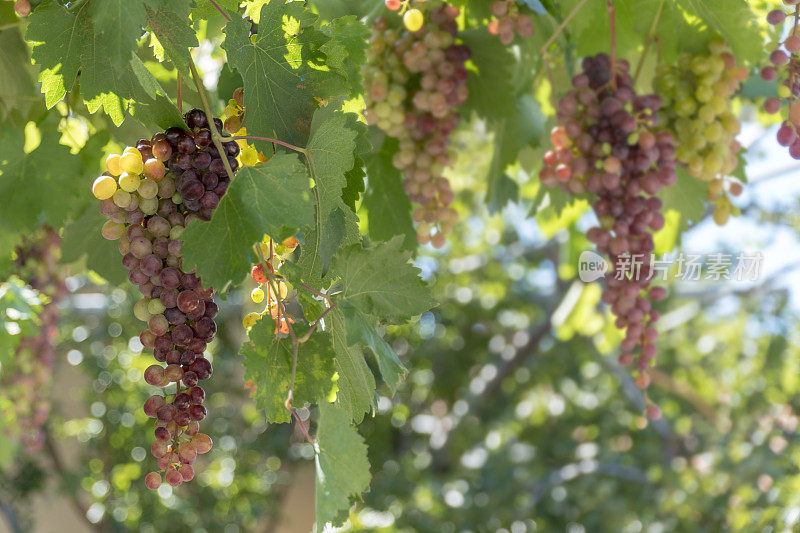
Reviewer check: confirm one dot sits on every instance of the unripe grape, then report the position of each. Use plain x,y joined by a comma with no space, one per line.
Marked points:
413,20
112,164
104,187
129,182
250,320
257,295
131,162
112,230
148,189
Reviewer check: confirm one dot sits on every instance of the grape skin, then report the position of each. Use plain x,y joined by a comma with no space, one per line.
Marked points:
163,183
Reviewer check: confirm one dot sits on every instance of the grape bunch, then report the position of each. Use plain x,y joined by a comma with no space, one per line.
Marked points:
26,383
697,106
606,146
275,291
415,82
509,21
785,69
150,193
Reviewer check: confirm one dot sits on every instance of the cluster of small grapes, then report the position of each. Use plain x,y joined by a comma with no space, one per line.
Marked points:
606,146
21,7
161,185
277,291
413,19
786,69
27,381
415,82
698,107
509,20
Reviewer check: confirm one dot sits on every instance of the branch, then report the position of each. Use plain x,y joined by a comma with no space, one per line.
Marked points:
271,140
613,28
561,27
650,37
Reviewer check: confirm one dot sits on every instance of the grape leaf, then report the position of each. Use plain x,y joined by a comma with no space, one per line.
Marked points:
67,43
355,184
686,197
268,363
380,281
733,20
176,37
330,156
356,383
205,9
16,82
278,101
8,242
270,198
385,200
39,187
118,25
346,50
520,129
82,240
342,465
360,330
491,77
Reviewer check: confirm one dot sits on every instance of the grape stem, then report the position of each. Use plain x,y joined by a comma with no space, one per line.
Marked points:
314,291
180,93
307,336
221,12
561,27
215,136
271,140
651,36
302,427
613,29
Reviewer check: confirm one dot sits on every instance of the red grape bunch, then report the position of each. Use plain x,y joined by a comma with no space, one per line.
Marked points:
27,381
509,21
415,82
607,147
786,69
150,193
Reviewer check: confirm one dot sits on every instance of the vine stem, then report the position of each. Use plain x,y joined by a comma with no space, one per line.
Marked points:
215,136
561,27
650,37
314,291
271,140
221,12
303,427
613,27
307,336
180,93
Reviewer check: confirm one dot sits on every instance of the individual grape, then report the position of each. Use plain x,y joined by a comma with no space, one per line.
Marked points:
202,443
250,320
162,434
112,164
112,230
152,480
129,182
154,375
104,187
413,20
162,150
153,404
186,472
257,295
173,478
154,169
393,5
131,162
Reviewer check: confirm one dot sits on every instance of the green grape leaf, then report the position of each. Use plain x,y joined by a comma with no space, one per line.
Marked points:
356,383
205,9
355,184
380,281
491,77
346,50
332,9
340,229
175,35
117,27
733,20
520,129
687,197
268,363
361,330
39,187
82,240
342,465
277,97
16,82
66,43
386,202
271,198
8,242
